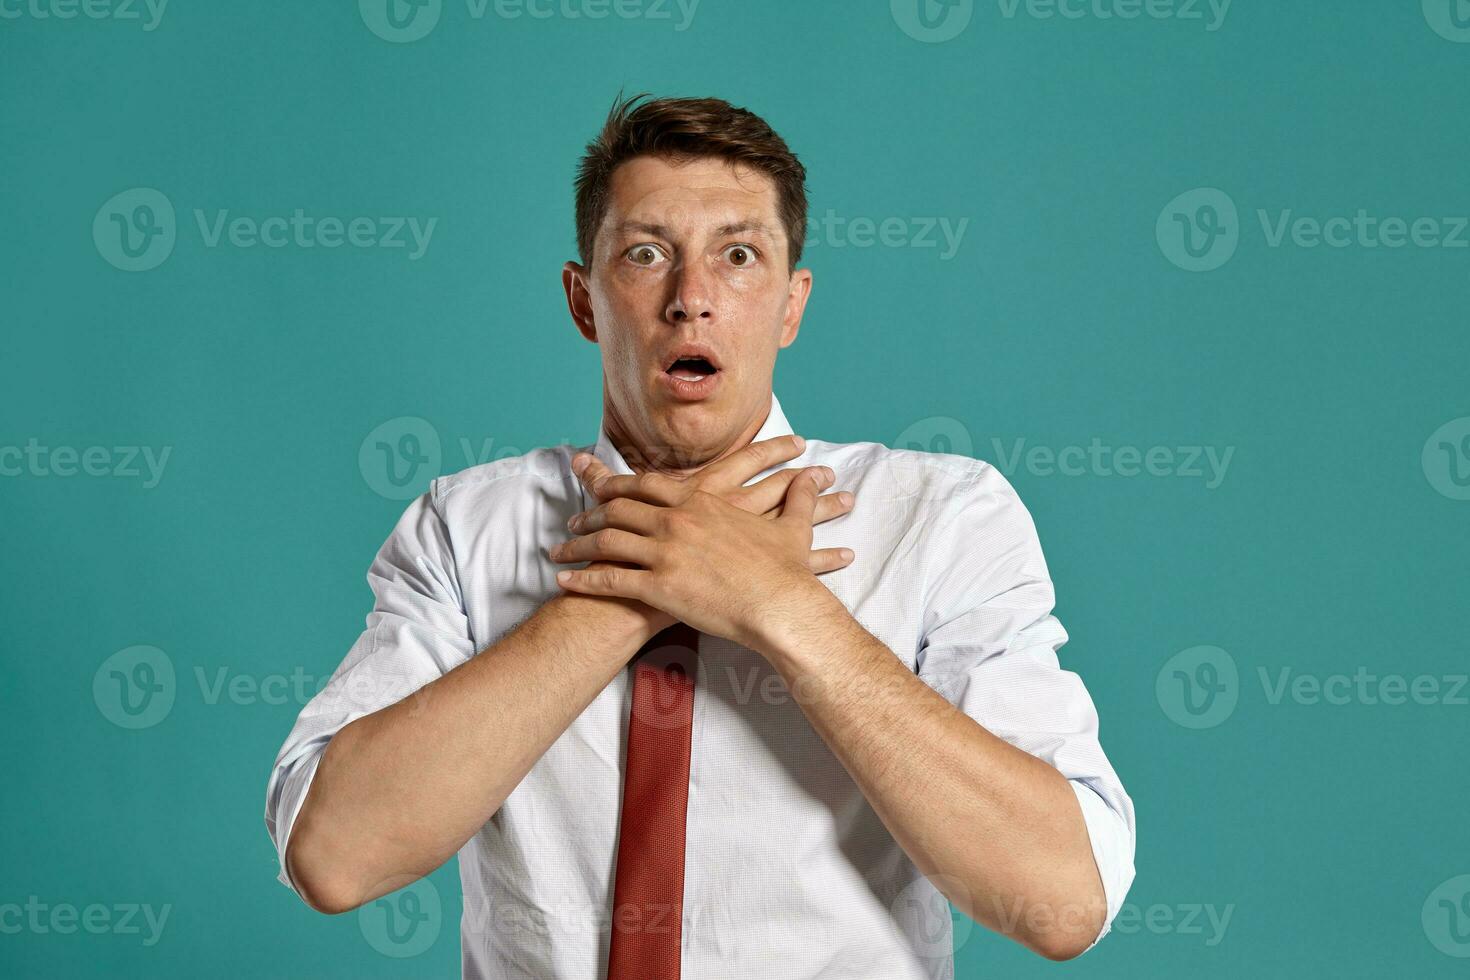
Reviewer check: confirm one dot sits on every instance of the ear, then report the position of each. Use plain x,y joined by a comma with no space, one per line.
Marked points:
796,297
578,284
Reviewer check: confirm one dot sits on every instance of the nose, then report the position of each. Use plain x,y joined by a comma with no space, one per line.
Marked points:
692,298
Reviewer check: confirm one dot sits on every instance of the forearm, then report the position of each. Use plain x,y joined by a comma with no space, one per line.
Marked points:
995,829
399,791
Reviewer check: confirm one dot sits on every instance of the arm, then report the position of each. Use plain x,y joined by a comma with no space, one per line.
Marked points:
997,788
998,831
378,800
984,760
389,804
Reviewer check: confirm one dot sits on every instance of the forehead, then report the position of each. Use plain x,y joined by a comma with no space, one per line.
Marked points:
690,193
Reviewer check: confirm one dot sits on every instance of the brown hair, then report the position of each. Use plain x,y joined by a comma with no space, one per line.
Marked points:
683,128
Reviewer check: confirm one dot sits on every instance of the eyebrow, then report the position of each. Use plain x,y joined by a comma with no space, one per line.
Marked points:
662,231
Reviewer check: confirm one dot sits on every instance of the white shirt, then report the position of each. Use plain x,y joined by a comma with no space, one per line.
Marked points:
788,871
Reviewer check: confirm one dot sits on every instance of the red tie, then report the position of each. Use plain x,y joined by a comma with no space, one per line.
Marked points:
648,891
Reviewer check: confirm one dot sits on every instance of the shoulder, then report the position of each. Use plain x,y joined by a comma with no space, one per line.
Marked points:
935,484
544,469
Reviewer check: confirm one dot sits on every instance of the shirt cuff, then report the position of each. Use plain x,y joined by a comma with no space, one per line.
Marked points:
1112,849
291,795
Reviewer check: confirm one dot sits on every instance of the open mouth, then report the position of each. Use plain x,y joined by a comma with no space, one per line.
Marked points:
691,369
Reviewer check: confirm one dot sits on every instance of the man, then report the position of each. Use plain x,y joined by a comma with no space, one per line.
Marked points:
680,711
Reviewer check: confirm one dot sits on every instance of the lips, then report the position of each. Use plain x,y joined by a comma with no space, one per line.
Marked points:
691,362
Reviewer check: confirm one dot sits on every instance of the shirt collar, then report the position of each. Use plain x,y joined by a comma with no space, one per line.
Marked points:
774,425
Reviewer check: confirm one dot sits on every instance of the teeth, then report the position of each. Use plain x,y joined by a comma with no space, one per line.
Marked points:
685,375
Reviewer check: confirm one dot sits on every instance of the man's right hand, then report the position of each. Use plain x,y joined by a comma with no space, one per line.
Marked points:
727,478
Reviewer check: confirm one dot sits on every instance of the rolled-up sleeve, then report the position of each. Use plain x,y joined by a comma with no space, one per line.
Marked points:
417,631
990,648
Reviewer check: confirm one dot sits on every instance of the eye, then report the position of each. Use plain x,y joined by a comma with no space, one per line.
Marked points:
741,256
645,254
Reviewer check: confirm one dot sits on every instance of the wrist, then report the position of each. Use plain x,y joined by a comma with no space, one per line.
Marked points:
801,624
622,625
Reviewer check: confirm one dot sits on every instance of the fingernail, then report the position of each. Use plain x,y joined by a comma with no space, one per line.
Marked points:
845,498
846,554
563,577
573,521
800,443
579,463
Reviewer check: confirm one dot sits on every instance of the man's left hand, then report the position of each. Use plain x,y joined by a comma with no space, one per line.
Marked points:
707,562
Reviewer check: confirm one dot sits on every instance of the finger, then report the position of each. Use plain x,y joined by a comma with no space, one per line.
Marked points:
620,512
767,494
744,463
829,559
801,497
650,487
829,505
609,544
630,583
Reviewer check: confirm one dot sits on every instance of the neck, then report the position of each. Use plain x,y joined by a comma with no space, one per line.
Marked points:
644,454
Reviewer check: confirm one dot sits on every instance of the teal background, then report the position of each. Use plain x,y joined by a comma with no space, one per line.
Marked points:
1330,544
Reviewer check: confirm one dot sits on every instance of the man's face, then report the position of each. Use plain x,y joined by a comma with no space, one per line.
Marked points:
691,259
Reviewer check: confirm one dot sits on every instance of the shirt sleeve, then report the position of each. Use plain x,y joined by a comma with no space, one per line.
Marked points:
417,631
989,648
